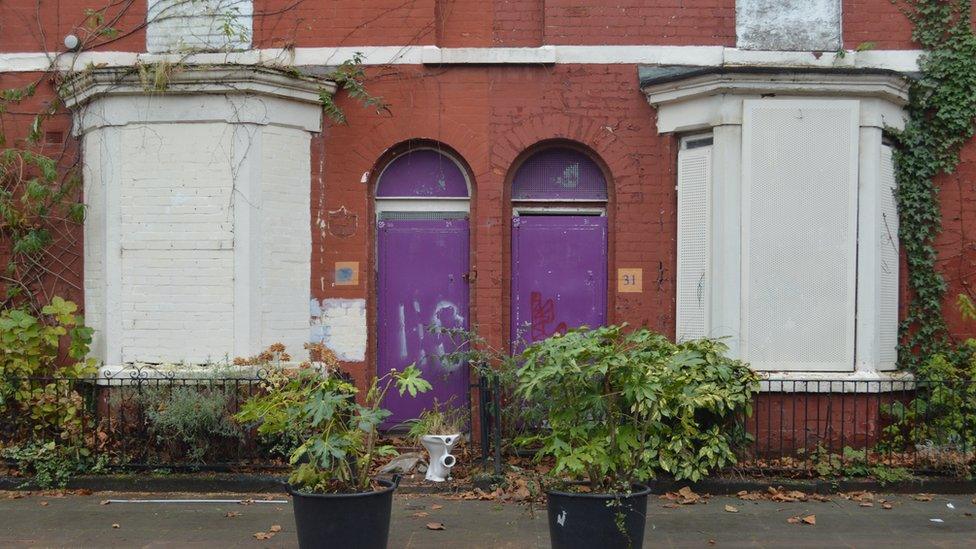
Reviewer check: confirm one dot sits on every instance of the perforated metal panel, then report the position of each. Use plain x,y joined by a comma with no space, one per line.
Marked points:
559,174
694,180
422,173
888,246
391,215
799,233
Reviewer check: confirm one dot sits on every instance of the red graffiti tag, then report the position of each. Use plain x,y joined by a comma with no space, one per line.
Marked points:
543,314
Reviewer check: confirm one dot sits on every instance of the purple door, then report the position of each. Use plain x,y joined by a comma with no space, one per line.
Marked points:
559,274
423,267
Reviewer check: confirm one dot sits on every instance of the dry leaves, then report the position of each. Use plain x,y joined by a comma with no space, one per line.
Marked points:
232,514
778,494
116,526
420,514
922,497
750,496
435,526
275,528
104,502
809,519
44,504
731,509
684,496
436,506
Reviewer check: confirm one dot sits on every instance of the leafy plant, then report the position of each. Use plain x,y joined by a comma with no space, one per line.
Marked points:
854,463
36,380
942,110
939,423
340,447
623,406
349,77
442,419
51,464
191,420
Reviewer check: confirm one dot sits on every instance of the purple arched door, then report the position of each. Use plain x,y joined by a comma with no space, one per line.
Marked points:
559,259
422,270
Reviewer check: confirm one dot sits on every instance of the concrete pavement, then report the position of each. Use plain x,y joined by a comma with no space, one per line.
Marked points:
85,521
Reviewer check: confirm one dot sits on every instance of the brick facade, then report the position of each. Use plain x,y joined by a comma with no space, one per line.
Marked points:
490,115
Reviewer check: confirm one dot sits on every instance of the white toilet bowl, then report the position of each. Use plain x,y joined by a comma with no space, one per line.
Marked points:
441,460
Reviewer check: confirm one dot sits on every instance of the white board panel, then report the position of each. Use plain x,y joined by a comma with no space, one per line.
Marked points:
694,182
799,233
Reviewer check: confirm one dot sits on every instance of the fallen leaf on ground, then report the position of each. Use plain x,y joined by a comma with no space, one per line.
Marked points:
922,497
749,496
435,526
436,506
809,519
866,504
44,504
886,506
83,492
711,542
731,509
684,496
275,528
263,535
104,502
116,525
819,497
420,514
232,514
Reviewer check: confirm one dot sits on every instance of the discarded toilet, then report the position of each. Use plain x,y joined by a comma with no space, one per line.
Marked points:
441,460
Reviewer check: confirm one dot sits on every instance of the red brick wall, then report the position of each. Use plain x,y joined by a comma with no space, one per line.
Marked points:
879,22
490,116
674,22
41,25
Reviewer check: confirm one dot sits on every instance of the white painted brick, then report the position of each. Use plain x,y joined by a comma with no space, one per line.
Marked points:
341,326
207,25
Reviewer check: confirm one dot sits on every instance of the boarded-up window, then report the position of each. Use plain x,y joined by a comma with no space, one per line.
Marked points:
799,234
888,255
694,189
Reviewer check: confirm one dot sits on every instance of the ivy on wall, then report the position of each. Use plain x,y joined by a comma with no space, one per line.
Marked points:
942,109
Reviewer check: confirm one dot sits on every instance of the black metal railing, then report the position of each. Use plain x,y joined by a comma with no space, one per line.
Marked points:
814,427
140,419
148,419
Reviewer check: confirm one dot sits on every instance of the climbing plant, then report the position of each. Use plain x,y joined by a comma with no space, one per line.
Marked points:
942,110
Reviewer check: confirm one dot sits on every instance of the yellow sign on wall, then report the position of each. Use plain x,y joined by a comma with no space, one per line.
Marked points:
630,280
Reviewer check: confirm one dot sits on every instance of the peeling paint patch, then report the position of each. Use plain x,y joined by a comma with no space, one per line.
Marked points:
340,325
811,25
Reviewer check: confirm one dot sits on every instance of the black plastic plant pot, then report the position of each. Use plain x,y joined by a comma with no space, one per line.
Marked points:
578,520
344,520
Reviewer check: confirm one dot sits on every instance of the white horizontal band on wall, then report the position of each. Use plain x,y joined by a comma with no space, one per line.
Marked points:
704,56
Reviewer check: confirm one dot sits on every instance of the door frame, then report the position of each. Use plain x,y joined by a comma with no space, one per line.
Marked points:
512,209
376,206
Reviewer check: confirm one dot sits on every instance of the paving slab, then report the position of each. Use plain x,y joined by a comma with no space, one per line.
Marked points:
85,521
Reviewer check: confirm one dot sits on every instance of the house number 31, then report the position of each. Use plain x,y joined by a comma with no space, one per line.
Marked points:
630,280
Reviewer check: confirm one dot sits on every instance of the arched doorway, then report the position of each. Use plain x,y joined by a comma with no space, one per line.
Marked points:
422,206
559,245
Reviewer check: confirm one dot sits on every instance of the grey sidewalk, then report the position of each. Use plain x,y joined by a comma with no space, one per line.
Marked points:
81,521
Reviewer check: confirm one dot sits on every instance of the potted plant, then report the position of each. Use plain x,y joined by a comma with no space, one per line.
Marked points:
336,501
439,430
620,406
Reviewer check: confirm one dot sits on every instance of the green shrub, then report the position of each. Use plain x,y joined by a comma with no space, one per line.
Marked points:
192,420
624,406
52,465
53,346
939,423
339,448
